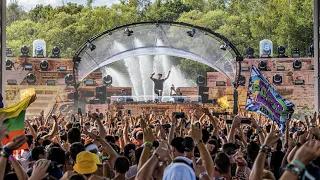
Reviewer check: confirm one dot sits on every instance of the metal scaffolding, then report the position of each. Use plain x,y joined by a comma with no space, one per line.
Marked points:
3,44
316,56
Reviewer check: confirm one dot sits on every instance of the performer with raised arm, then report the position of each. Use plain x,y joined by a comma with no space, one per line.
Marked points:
158,83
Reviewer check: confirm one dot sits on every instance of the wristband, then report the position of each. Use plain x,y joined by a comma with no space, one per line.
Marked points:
200,141
299,164
11,158
202,174
148,143
7,150
106,163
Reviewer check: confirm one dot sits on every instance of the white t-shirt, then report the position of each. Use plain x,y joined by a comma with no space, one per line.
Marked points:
133,170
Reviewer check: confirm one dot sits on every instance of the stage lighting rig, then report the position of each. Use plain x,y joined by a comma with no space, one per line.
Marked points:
107,81
201,80
297,65
295,52
128,31
91,46
55,52
262,66
68,79
281,52
250,52
44,65
31,79
191,33
277,79
9,64
24,51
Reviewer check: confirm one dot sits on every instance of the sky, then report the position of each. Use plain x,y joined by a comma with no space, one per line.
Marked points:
29,4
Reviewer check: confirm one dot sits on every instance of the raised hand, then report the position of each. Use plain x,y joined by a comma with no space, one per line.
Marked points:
17,142
196,133
236,122
308,151
198,168
148,135
40,169
163,151
272,137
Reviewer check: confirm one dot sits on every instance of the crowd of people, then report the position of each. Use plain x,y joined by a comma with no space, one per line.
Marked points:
179,146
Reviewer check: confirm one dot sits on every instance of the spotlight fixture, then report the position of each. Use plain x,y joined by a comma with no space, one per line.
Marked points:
39,51
9,64
128,31
31,79
262,66
24,51
201,80
297,65
107,81
191,33
44,65
295,52
242,80
55,52
224,47
277,79
250,52
91,46
68,79
311,49
9,52
281,52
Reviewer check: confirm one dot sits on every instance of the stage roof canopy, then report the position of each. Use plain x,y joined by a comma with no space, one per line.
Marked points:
158,38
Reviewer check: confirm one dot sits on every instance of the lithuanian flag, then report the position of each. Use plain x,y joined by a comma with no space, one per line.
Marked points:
15,120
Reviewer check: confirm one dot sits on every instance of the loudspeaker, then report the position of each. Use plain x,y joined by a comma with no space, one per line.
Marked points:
101,93
204,93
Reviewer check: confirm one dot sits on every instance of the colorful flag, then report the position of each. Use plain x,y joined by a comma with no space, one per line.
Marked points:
264,99
14,122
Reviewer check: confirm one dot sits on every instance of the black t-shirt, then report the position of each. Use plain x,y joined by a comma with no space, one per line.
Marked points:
158,83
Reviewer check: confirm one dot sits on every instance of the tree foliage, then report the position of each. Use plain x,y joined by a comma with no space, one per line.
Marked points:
245,23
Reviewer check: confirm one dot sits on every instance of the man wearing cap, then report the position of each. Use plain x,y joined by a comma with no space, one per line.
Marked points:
158,83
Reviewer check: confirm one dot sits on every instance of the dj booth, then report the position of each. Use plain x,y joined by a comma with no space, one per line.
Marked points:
159,104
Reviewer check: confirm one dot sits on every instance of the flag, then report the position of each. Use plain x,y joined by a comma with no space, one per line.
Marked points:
14,122
264,99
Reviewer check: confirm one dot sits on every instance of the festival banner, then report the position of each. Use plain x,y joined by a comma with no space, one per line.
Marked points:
264,99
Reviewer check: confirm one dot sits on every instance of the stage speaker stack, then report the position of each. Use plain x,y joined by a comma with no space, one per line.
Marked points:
204,93
101,94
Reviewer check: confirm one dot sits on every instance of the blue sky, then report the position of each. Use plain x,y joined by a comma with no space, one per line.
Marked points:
28,4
